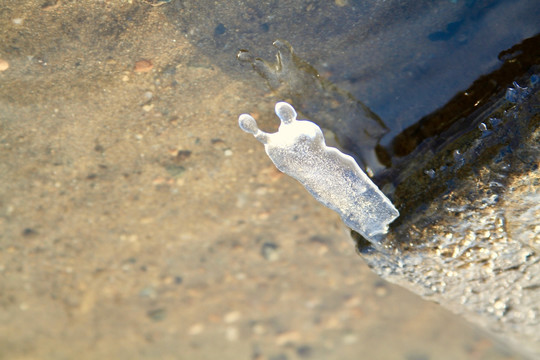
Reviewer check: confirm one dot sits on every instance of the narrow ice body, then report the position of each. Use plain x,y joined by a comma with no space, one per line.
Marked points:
298,149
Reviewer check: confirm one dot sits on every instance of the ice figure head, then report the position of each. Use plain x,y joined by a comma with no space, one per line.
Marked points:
285,112
249,125
333,178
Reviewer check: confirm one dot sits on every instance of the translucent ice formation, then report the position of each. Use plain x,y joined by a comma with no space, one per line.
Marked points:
298,149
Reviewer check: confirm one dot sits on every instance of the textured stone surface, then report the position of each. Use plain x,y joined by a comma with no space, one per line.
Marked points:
474,247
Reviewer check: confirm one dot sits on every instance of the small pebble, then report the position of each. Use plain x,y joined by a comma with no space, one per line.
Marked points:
196,329
17,21
304,351
381,290
270,251
231,333
288,337
182,155
350,339
4,65
143,66
148,107
156,314
231,317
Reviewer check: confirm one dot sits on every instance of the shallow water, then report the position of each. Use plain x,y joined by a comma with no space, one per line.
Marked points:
138,221
402,59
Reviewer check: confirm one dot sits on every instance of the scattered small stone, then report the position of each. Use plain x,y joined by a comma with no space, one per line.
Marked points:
157,2
29,232
258,329
350,339
353,302
157,314
220,29
148,107
279,357
175,170
178,280
342,3
231,317
17,21
148,95
288,337
228,152
196,329
304,351
417,356
148,292
51,5
143,66
269,251
182,155
231,333
4,65
381,290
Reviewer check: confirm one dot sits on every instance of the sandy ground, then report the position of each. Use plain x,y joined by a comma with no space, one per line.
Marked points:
138,221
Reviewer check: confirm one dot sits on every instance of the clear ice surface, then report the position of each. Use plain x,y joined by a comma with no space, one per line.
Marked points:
298,149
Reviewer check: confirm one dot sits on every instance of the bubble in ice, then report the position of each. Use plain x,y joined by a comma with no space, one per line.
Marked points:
298,149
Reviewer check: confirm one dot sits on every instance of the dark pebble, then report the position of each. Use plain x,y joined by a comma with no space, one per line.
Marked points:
304,351
157,314
220,29
29,232
269,251
182,155
279,357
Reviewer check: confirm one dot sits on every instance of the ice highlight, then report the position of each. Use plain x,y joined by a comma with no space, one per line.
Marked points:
298,149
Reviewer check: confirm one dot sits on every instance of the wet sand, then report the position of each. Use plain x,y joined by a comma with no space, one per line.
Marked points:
138,221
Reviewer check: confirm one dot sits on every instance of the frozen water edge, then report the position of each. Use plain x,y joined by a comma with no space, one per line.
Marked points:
298,149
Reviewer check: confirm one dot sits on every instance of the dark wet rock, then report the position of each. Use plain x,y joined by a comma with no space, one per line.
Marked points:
469,237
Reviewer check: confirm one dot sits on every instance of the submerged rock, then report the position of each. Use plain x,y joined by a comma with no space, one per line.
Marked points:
469,236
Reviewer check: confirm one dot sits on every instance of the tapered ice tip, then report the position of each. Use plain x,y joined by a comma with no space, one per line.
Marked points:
248,124
285,112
